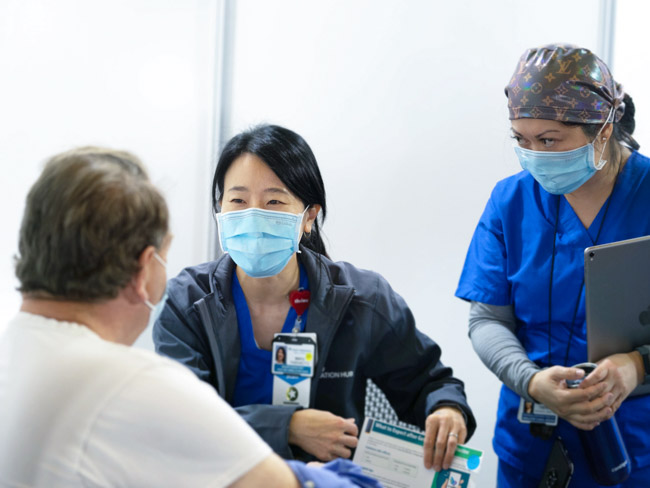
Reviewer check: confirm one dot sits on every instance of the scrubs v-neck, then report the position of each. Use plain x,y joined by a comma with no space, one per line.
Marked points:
254,379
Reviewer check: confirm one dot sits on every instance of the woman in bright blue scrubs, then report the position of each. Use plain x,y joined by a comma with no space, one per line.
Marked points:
583,184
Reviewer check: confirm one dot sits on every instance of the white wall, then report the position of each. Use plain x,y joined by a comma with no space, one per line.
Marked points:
403,105
130,74
630,66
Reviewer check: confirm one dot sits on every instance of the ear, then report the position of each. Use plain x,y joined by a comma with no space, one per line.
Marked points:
607,132
310,217
141,278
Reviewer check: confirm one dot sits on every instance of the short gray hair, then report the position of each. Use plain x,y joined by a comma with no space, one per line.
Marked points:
87,219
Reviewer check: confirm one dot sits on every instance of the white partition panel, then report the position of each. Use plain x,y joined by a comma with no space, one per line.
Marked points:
129,74
630,66
402,103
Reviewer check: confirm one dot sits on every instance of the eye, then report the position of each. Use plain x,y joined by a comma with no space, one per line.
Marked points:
516,138
547,142
236,200
274,202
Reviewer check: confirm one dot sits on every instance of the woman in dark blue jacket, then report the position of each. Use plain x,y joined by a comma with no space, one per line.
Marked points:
275,277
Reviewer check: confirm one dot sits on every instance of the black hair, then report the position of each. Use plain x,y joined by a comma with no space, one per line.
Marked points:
624,128
284,353
622,132
290,158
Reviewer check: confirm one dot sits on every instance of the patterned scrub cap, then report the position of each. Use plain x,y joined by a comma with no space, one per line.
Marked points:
565,83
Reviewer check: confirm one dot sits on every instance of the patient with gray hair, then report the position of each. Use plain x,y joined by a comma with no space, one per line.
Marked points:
78,406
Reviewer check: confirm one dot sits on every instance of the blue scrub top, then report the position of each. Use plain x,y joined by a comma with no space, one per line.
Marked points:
254,379
508,263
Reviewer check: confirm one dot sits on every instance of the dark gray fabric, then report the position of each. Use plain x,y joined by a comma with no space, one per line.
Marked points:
492,331
364,329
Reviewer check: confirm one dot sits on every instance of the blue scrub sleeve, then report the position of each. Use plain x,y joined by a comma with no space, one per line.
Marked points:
484,277
492,331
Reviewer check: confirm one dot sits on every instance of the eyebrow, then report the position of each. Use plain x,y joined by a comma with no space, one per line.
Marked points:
538,135
267,190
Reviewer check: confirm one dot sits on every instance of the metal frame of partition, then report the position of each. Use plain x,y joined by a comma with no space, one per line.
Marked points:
221,109
607,24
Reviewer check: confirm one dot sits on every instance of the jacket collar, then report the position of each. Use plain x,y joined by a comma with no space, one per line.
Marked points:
327,307
328,304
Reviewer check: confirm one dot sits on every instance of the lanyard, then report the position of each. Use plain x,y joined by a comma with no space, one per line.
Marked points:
550,284
299,300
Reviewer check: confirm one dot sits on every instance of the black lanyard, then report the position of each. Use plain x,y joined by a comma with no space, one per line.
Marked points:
582,285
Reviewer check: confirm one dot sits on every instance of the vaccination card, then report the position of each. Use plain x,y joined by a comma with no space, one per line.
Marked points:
393,455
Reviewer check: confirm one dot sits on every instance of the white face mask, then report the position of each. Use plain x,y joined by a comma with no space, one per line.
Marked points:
157,309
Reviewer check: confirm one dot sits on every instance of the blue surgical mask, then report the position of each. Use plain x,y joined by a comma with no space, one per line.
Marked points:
260,242
562,172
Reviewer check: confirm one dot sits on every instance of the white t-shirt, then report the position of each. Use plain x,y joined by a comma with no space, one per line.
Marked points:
76,410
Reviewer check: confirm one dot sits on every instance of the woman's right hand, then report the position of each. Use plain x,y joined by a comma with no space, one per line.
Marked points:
323,434
584,408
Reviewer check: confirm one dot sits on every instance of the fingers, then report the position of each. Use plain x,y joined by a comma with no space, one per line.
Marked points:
567,402
462,435
452,442
339,451
440,446
596,398
342,448
617,404
592,418
350,427
430,434
345,441
595,390
587,407
445,429
559,373
584,425
349,441
323,434
595,377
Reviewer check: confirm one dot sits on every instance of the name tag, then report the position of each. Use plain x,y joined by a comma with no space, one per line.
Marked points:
531,412
293,363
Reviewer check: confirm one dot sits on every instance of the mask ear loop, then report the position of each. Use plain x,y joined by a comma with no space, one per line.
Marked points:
215,216
602,162
304,234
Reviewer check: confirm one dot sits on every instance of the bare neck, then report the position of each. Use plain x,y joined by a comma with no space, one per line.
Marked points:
587,200
271,290
112,320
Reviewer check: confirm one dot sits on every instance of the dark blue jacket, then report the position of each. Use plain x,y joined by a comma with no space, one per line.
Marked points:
364,329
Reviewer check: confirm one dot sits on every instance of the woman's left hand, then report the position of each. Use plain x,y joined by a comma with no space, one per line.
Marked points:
444,429
621,373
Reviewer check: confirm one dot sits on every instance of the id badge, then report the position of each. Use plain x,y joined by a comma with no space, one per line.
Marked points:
293,363
535,413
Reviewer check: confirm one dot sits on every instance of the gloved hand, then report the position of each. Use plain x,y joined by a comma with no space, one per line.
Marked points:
339,473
